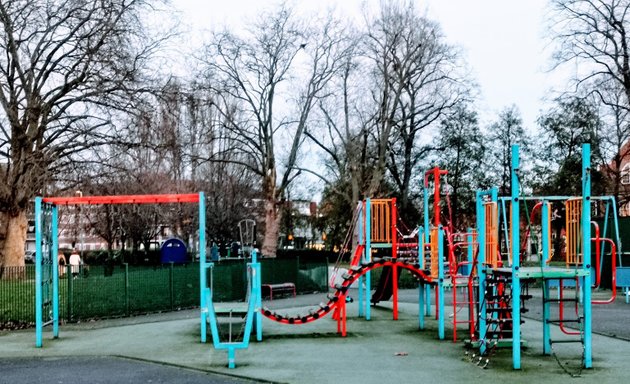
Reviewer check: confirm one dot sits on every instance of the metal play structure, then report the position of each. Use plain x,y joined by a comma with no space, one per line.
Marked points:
47,247
237,321
376,228
503,280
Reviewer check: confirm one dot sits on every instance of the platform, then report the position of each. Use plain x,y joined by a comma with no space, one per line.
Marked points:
542,273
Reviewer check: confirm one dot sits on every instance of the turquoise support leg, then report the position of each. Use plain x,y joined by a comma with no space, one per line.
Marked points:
441,283
546,316
231,358
427,301
202,266
421,306
368,257
55,271
481,272
586,246
516,283
39,324
360,293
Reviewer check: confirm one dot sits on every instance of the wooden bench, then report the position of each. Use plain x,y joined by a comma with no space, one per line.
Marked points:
283,288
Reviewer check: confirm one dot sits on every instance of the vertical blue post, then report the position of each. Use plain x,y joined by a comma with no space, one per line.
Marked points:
544,256
362,280
440,286
586,252
421,305
368,256
427,240
514,247
604,233
202,264
421,284
481,271
470,248
257,293
39,324
427,300
421,260
546,315
546,232
55,272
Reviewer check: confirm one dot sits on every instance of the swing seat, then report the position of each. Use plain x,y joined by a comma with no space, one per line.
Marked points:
623,281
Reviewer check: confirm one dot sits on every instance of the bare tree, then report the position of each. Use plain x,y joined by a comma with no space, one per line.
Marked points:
594,34
432,84
66,66
256,70
503,133
592,39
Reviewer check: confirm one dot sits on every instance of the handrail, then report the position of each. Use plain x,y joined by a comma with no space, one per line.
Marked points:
613,254
597,239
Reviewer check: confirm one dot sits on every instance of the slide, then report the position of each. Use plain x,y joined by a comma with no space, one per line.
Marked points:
384,288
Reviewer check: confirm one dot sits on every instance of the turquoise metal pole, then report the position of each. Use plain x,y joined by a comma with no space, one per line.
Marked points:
617,238
39,324
55,272
546,232
427,300
469,249
544,256
202,265
586,252
368,256
257,294
516,283
425,200
546,315
362,280
604,233
421,305
481,271
421,260
441,282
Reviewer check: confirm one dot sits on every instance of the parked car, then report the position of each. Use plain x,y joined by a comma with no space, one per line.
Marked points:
29,257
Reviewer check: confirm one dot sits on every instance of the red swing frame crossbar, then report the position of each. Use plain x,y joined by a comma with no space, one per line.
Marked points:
124,199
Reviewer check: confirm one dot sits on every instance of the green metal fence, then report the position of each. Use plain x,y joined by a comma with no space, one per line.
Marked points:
111,291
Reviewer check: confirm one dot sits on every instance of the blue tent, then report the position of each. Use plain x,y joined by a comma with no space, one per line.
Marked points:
174,251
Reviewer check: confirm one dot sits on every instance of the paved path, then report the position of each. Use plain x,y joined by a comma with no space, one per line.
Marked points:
101,370
377,351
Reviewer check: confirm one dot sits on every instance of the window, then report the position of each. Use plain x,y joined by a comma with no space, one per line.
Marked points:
625,174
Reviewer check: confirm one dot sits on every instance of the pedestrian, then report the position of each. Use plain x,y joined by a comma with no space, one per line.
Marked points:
75,262
61,262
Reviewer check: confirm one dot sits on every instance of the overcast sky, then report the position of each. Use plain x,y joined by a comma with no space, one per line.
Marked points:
503,41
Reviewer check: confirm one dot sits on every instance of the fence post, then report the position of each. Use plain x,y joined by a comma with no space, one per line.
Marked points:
70,288
297,274
171,289
127,289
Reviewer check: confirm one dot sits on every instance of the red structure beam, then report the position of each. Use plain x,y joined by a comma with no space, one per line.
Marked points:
124,199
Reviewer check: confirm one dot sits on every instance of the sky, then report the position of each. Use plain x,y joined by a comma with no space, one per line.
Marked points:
503,42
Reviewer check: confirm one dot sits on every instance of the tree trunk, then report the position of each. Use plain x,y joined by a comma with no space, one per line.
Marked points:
272,227
12,238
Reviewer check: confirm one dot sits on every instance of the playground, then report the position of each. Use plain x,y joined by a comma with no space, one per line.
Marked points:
480,304
376,351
